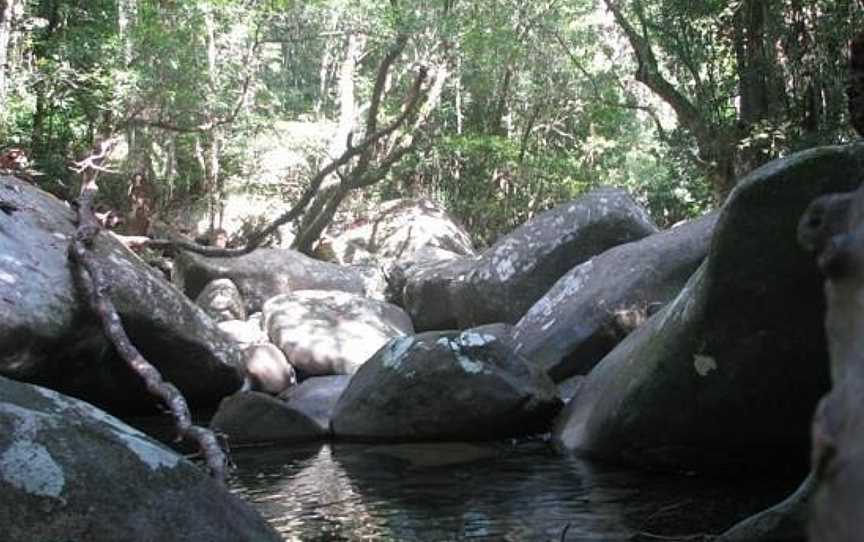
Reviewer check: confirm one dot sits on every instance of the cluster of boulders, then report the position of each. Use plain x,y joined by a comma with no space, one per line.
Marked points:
465,372
701,346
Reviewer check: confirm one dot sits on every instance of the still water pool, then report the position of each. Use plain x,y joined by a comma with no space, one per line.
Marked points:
505,491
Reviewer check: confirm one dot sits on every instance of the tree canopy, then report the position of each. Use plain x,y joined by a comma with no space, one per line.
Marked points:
504,107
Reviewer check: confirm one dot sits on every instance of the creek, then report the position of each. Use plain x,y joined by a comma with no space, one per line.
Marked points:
507,491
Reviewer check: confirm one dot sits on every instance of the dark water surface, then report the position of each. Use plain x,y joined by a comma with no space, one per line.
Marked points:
505,491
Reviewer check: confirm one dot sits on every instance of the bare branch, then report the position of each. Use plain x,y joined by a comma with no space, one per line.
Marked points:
372,135
649,74
92,280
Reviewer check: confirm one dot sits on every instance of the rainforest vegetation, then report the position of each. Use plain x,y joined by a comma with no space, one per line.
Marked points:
521,104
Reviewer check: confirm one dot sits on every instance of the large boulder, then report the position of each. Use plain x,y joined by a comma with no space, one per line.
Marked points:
519,268
598,303
251,417
328,332
49,336
398,230
428,292
397,275
731,370
71,472
445,386
264,273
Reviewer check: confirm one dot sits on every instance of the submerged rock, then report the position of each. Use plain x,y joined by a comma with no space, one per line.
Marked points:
731,370
69,471
49,336
324,333
445,386
519,269
300,414
598,303
255,417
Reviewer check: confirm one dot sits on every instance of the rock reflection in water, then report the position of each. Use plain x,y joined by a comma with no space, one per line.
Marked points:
502,492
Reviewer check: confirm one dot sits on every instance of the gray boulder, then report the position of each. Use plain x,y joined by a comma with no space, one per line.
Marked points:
396,233
264,273
429,289
445,386
222,301
397,275
71,472
520,267
328,332
317,397
730,370
598,303
252,417
50,337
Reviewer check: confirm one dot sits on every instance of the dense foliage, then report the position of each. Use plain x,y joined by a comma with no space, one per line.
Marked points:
537,101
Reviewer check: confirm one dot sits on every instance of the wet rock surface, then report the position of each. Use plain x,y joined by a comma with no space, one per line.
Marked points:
69,471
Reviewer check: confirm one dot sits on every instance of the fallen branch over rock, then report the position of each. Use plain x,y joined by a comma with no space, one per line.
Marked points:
91,278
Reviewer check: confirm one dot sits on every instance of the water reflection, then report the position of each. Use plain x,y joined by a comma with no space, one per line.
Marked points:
502,492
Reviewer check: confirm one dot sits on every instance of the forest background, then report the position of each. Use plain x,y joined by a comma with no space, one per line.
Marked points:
498,109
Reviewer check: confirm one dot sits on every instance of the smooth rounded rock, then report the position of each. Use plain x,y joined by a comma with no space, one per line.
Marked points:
445,386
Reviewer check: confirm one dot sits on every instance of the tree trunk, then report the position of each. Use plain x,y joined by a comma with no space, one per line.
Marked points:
347,119
717,144
760,87
213,182
327,203
347,101
50,11
6,11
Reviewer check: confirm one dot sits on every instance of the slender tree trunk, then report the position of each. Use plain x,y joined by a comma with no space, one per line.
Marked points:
347,119
6,13
50,11
328,202
760,87
458,80
127,12
347,101
213,182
